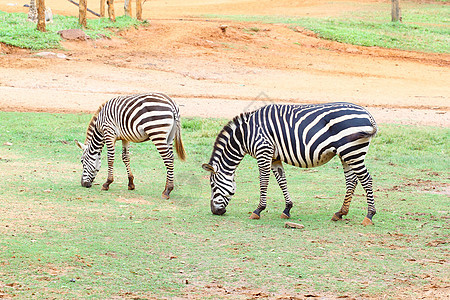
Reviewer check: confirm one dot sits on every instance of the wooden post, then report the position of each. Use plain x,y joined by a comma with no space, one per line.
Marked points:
102,8
127,7
395,11
111,14
41,15
139,10
82,14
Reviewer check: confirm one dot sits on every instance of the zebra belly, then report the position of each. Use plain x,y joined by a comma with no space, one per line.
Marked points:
323,159
298,161
137,136
134,140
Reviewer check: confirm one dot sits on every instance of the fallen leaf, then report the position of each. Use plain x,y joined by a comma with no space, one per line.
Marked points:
322,197
436,243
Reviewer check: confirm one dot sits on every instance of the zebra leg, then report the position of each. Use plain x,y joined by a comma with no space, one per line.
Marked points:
110,146
264,163
366,181
350,183
166,153
126,161
280,175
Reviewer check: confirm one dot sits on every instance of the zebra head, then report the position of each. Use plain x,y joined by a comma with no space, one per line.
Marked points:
91,164
222,188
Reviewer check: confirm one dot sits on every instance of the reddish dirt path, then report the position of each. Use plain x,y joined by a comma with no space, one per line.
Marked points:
216,74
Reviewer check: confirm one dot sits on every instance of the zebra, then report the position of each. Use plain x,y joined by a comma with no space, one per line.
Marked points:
135,118
305,136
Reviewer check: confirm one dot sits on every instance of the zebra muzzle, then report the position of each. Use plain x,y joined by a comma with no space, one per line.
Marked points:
86,184
217,210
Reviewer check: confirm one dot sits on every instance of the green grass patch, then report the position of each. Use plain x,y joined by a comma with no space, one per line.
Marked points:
17,31
62,241
425,27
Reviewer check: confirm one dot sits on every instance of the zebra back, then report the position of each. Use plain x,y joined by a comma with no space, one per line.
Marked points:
294,131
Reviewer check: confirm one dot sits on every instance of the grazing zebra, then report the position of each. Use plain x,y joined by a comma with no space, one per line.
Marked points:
305,136
135,118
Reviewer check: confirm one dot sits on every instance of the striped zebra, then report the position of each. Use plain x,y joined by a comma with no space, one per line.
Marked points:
135,118
305,136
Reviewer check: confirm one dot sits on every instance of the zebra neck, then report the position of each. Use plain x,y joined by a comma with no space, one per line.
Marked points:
230,145
229,150
94,140
92,127
227,165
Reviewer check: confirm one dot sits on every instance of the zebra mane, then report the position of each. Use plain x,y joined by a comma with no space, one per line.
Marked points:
237,120
90,129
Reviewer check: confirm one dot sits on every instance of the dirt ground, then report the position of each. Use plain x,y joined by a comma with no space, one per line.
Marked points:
211,73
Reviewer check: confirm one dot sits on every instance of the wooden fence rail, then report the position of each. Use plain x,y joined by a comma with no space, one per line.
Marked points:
89,10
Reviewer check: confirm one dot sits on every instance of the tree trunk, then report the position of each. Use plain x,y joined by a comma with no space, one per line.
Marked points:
139,10
395,12
111,14
102,8
41,15
82,16
127,7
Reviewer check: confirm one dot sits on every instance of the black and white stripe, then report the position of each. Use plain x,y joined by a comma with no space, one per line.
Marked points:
135,118
300,135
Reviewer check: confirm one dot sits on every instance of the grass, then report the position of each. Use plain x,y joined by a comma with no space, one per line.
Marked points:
17,31
425,27
62,241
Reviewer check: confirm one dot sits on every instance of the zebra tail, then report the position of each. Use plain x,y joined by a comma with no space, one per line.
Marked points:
178,142
365,134
374,130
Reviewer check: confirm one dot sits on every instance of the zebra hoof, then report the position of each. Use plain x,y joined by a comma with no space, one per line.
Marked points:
131,187
105,187
285,216
254,216
164,196
336,218
367,221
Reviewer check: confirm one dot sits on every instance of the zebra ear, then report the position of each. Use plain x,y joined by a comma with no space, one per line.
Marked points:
80,145
208,168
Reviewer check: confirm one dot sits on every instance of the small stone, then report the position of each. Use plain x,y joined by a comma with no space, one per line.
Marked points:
293,225
73,34
223,28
